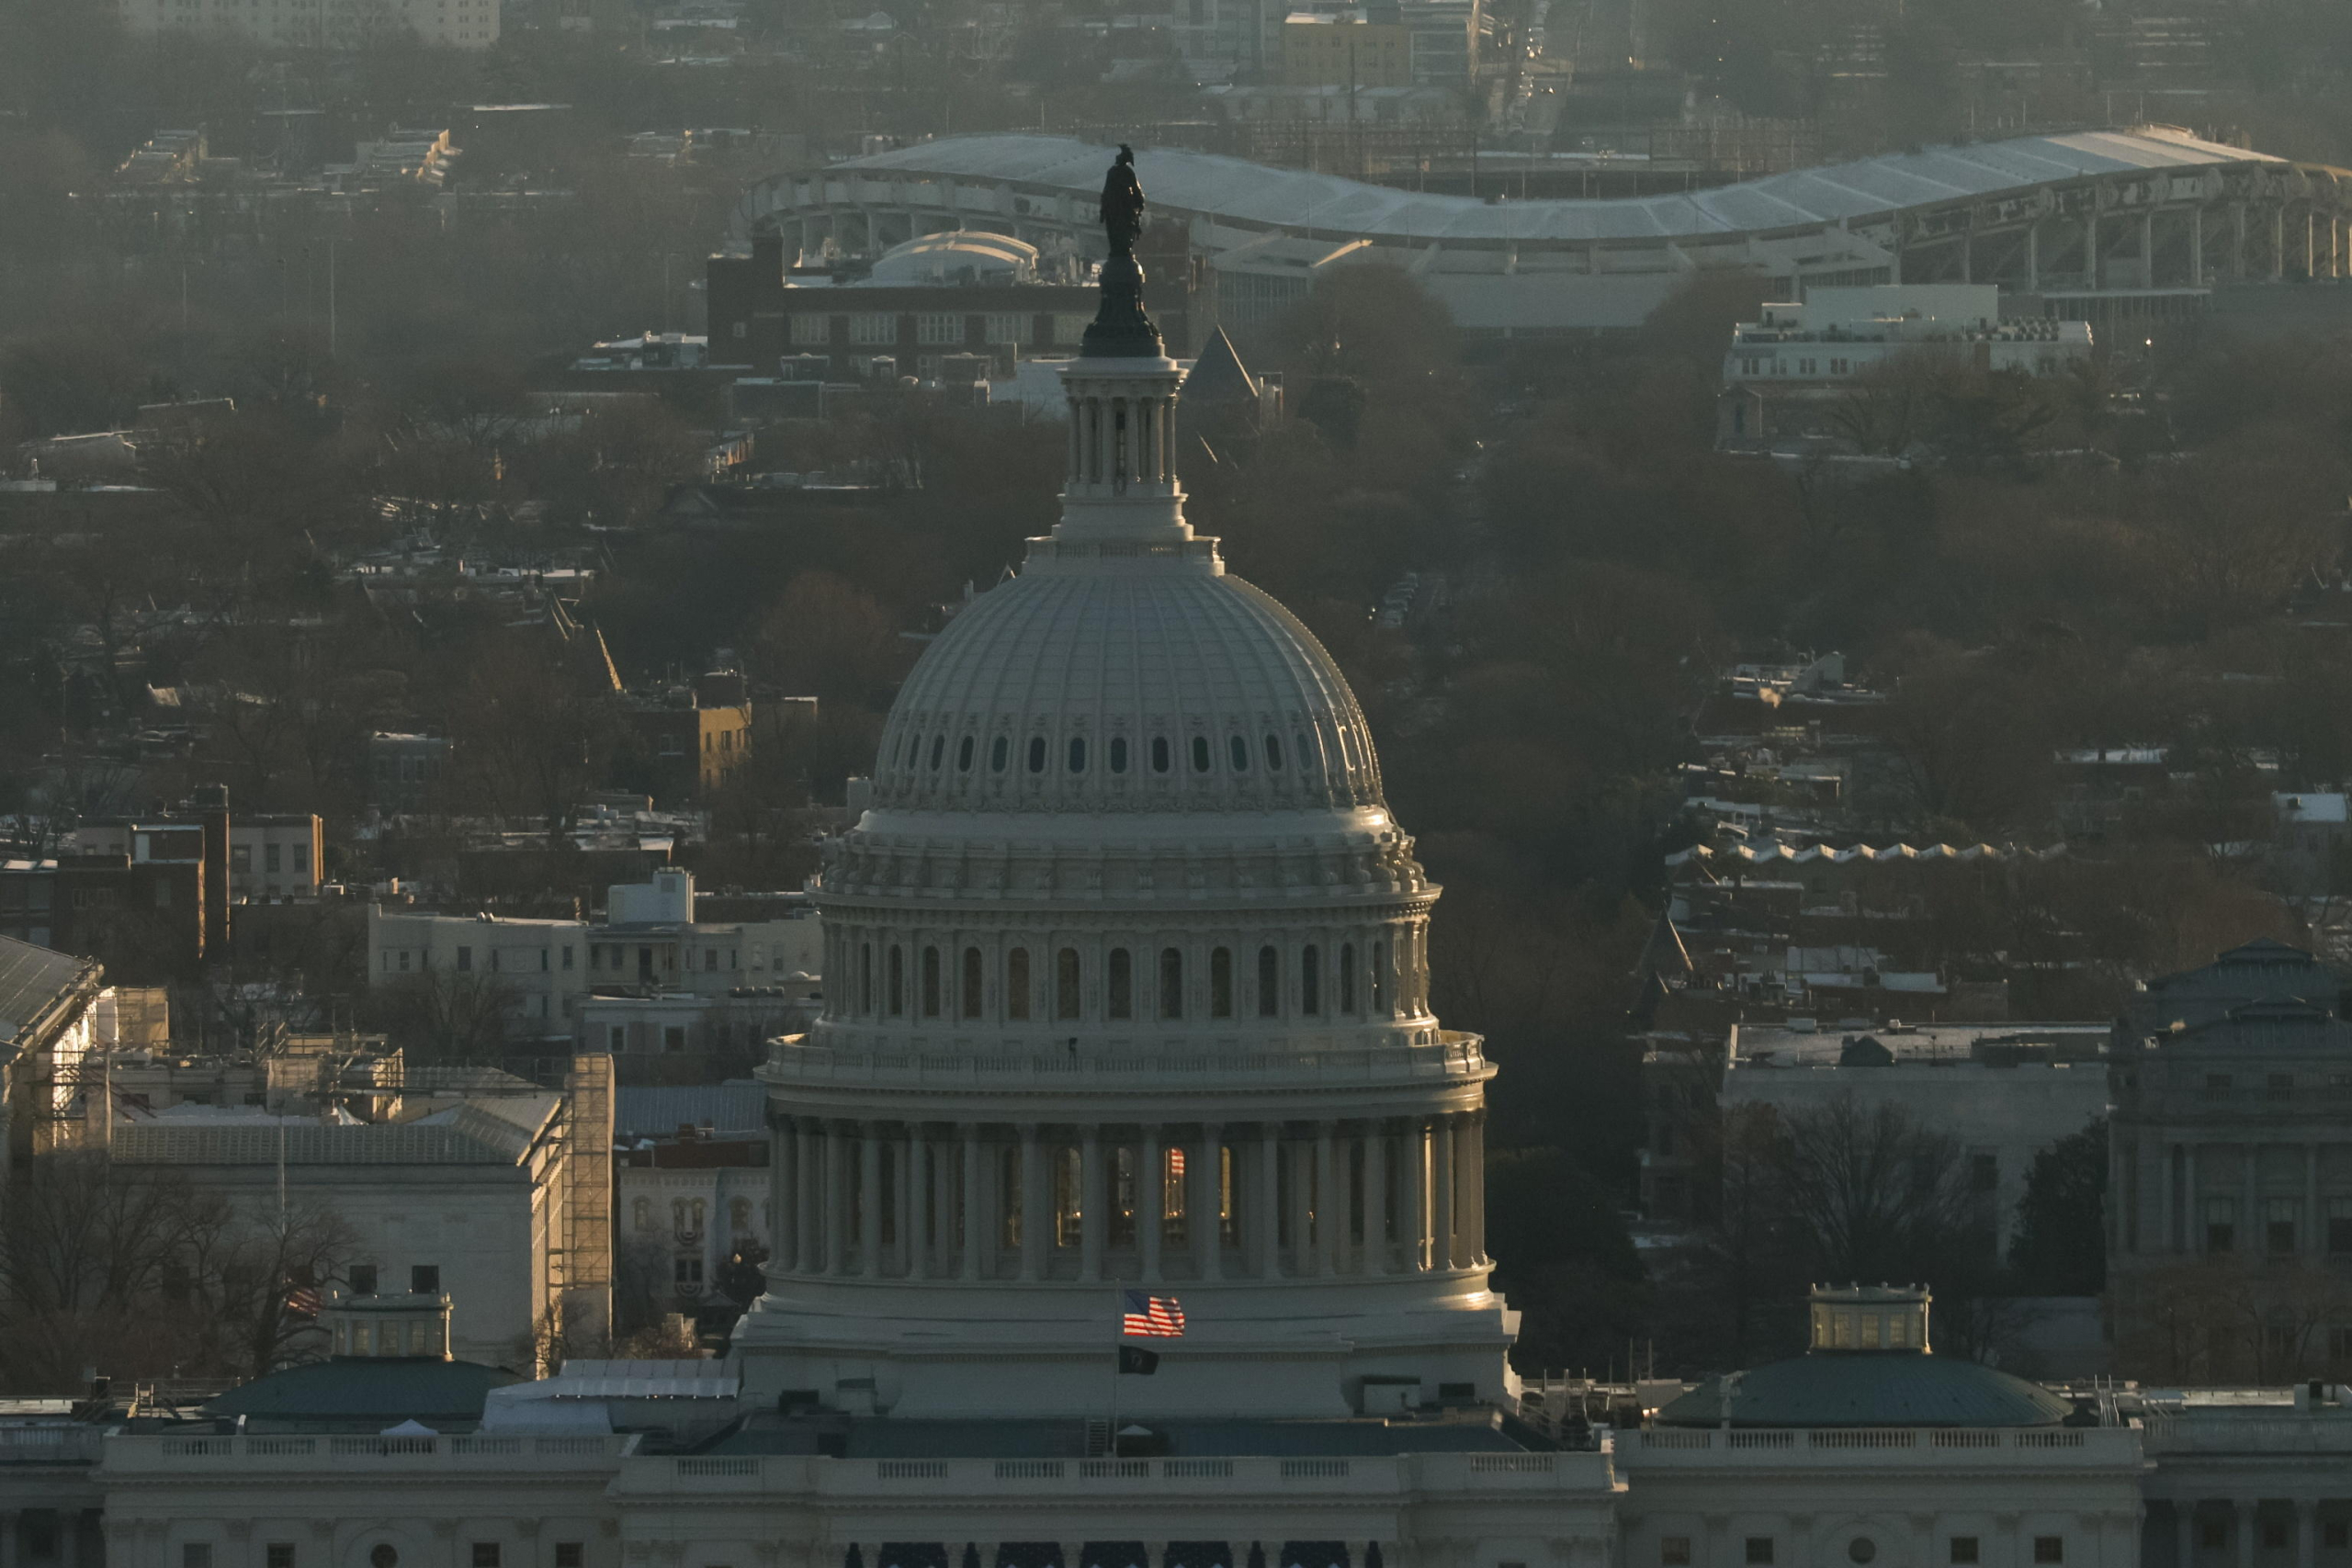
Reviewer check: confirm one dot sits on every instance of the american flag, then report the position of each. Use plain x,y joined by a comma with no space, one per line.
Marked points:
1161,1317
303,1301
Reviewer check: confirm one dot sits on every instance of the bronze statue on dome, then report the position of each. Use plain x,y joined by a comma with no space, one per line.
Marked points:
1121,329
1122,203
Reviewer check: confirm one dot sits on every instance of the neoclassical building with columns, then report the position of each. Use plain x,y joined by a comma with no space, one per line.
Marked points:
1126,994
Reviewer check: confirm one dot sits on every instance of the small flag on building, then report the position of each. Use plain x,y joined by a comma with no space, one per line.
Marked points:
1135,1360
303,1301
1160,1317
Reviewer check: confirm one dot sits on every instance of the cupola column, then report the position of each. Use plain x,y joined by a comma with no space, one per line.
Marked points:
1417,1196
784,1231
836,1259
1375,1197
1473,1184
942,1235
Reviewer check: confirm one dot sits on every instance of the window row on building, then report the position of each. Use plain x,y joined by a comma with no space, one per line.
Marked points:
1337,980
937,329
1159,755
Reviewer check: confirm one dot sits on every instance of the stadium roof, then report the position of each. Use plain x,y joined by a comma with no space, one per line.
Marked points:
1258,194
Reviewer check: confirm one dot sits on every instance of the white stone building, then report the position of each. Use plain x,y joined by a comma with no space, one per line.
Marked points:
650,945
1785,373
499,1201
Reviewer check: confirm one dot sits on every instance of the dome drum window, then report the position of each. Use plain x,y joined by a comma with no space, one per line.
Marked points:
1121,982
1200,753
1036,754
1067,996
1160,759
1016,983
1171,983
1118,754
964,755
1077,754
1270,981
1000,751
1240,749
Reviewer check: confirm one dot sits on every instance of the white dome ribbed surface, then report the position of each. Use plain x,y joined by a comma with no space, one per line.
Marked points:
1176,691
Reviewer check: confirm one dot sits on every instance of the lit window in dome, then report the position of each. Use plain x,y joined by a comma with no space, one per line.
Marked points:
1270,983
1077,754
1159,753
1240,748
1118,754
999,751
964,755
1036,754
1221,982
1200,753
1123,983
1273,753
938,750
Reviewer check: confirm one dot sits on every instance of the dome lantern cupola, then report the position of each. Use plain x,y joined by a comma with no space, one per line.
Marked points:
1869,1317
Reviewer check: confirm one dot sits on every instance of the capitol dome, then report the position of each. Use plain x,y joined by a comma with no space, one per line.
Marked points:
1170,688
1126,986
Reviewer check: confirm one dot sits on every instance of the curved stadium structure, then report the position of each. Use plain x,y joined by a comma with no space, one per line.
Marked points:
2099,224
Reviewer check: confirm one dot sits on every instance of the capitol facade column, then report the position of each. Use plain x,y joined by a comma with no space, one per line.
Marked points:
1151,1202
1375,1197
1326,1204
1415,1173
911,1187
975,1221
940,1259
1033,1230
1474,1184
784,1231
1207,1190
1441,1195
1264,1231
869,1200
1091,1217
804,1196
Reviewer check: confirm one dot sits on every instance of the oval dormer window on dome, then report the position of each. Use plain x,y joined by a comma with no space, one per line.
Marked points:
1118,754
938,750
1200,753
1036,754
1077,753
1273,753
1160,762
1239,750
1000,751
964,755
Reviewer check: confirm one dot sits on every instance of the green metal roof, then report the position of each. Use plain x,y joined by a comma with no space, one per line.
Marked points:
367,1393
1864,1387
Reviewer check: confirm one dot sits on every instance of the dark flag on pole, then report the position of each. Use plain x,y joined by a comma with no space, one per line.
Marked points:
1137,1360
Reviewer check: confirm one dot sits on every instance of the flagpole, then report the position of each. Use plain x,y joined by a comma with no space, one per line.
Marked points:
1118,1345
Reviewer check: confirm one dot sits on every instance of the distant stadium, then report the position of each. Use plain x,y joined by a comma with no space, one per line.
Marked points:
2099,225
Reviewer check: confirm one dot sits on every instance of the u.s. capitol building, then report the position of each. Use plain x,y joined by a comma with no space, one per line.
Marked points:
1127,998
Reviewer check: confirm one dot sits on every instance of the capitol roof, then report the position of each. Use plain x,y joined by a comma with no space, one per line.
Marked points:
1887,1388
1258,194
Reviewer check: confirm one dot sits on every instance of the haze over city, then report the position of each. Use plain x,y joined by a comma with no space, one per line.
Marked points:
1430,783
